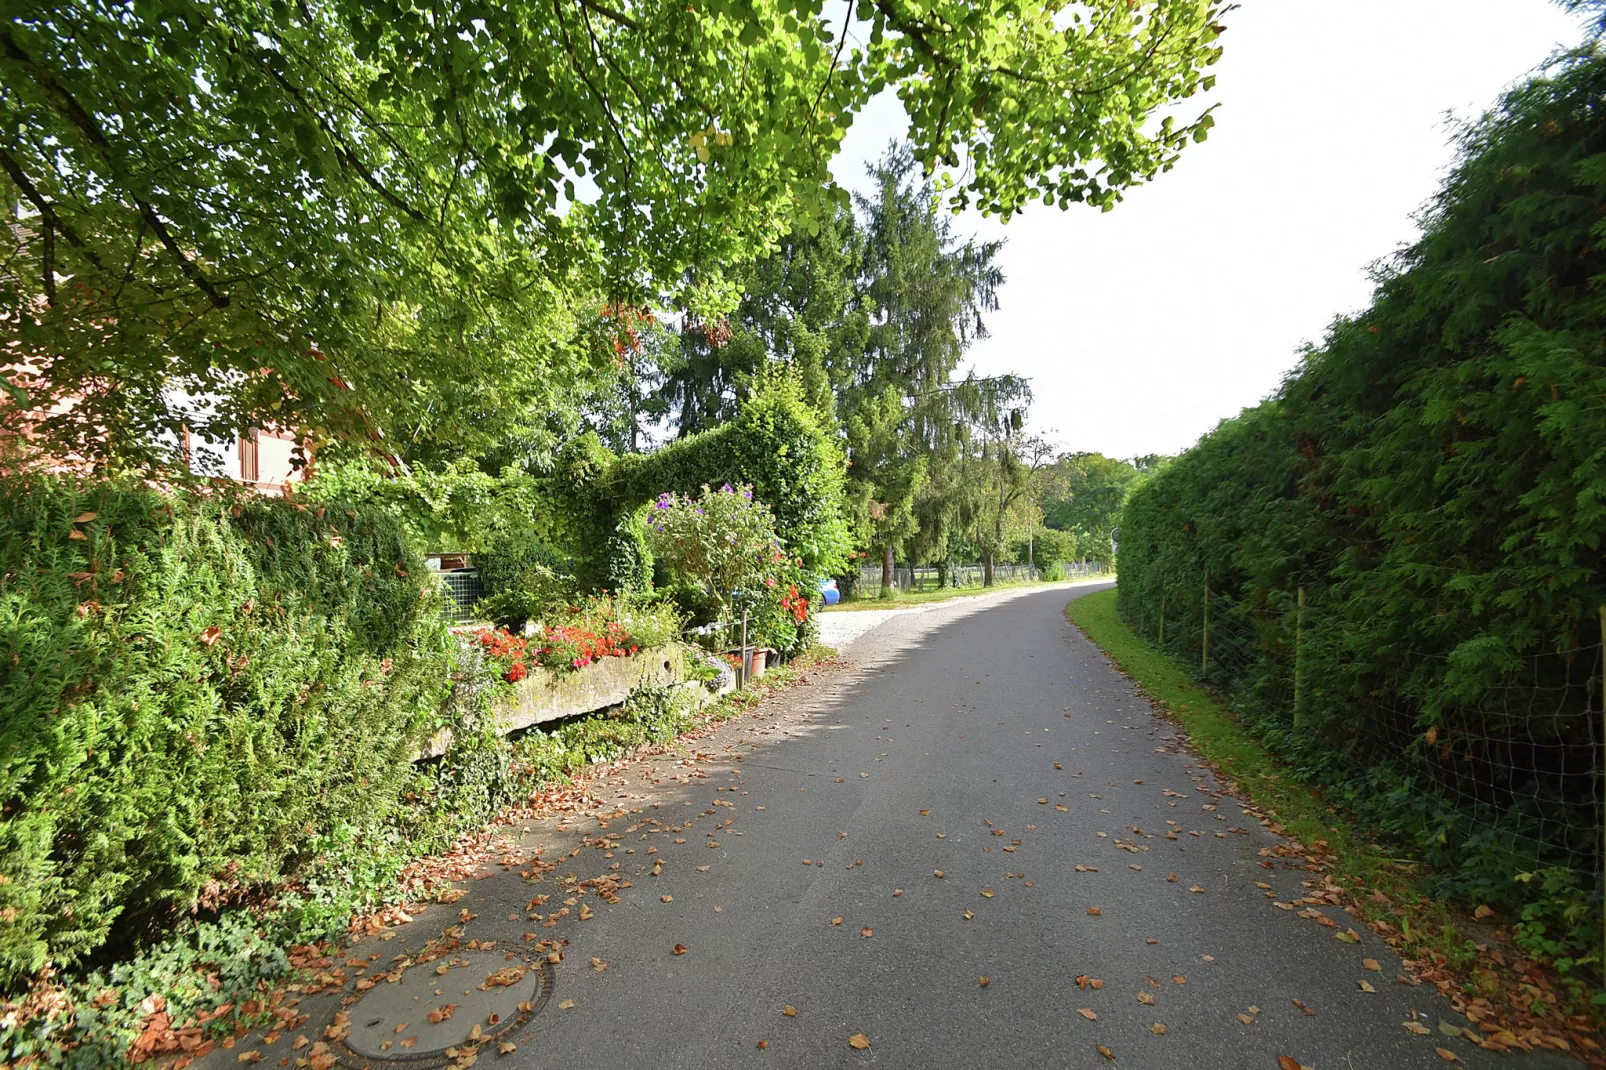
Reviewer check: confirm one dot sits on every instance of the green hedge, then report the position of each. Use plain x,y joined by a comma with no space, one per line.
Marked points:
197,685
1434,477
776,443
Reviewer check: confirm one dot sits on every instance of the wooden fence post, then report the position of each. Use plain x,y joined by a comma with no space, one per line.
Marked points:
1204,646
1299,662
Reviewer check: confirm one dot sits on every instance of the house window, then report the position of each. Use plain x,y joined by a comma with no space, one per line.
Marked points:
249,470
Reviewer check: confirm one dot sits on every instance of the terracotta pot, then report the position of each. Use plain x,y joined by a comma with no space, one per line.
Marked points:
759,660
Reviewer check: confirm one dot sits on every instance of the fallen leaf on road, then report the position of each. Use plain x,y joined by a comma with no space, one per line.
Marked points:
1104,1050
988,892
968,914
666,899
1043,801
837,920
566,1005
1196,888
982,981
1179,979
1418,1028
1089,1015
598,965
1367,987
507,1047
1373,965
1446,1054
1157,1029
1298,1003
1172,879
1246,1019
937,874
512,975
1057,765
680,949
896,892
1094,911
1146,997
1287,1062
858,1042
867,932
789,1010
442,1013
763,1045
1062,808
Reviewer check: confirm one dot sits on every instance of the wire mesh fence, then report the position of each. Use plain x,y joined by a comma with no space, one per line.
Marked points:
464,589
1512,744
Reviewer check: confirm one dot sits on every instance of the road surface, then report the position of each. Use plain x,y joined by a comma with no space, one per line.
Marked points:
977,794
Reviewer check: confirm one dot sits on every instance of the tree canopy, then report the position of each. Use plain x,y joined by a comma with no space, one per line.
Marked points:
358,219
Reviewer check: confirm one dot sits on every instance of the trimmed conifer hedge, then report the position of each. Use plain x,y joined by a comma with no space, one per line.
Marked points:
1433,478
194,685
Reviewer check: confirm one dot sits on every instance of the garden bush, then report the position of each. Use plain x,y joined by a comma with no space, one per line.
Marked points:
776,444
722,543
1434,478
198,686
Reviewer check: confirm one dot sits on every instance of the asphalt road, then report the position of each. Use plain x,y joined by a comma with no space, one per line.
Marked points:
989,743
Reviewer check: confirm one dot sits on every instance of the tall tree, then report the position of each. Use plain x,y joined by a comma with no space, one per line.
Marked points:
1085,495
339,215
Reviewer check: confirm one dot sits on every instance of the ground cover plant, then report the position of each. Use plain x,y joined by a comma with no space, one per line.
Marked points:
1395,565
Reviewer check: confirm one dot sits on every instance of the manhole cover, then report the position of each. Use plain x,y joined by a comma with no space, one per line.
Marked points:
439,1009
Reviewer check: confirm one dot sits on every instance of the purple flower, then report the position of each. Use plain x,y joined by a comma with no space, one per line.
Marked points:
726,489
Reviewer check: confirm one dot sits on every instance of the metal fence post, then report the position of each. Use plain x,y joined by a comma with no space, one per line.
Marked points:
1299,662
741,672
1204,646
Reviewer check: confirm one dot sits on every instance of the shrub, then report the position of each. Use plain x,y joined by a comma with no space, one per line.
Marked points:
1433,478
723,542
778,447
198,686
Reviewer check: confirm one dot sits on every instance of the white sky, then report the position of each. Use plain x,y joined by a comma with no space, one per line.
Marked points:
1144,326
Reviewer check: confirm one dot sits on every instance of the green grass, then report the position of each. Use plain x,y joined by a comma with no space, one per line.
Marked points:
1426,924
872,599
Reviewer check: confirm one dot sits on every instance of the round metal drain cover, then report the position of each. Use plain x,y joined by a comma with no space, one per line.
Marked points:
431,1016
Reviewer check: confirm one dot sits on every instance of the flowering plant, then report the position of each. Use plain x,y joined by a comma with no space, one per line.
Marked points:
597,628
723,541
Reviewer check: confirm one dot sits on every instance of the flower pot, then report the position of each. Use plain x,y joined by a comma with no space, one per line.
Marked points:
757,662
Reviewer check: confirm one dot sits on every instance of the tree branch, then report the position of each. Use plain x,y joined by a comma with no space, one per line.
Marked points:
86,124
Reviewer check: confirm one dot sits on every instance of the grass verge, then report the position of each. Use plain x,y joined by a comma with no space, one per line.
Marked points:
1516,1001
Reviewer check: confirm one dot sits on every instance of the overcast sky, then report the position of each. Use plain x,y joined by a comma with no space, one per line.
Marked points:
1144,326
